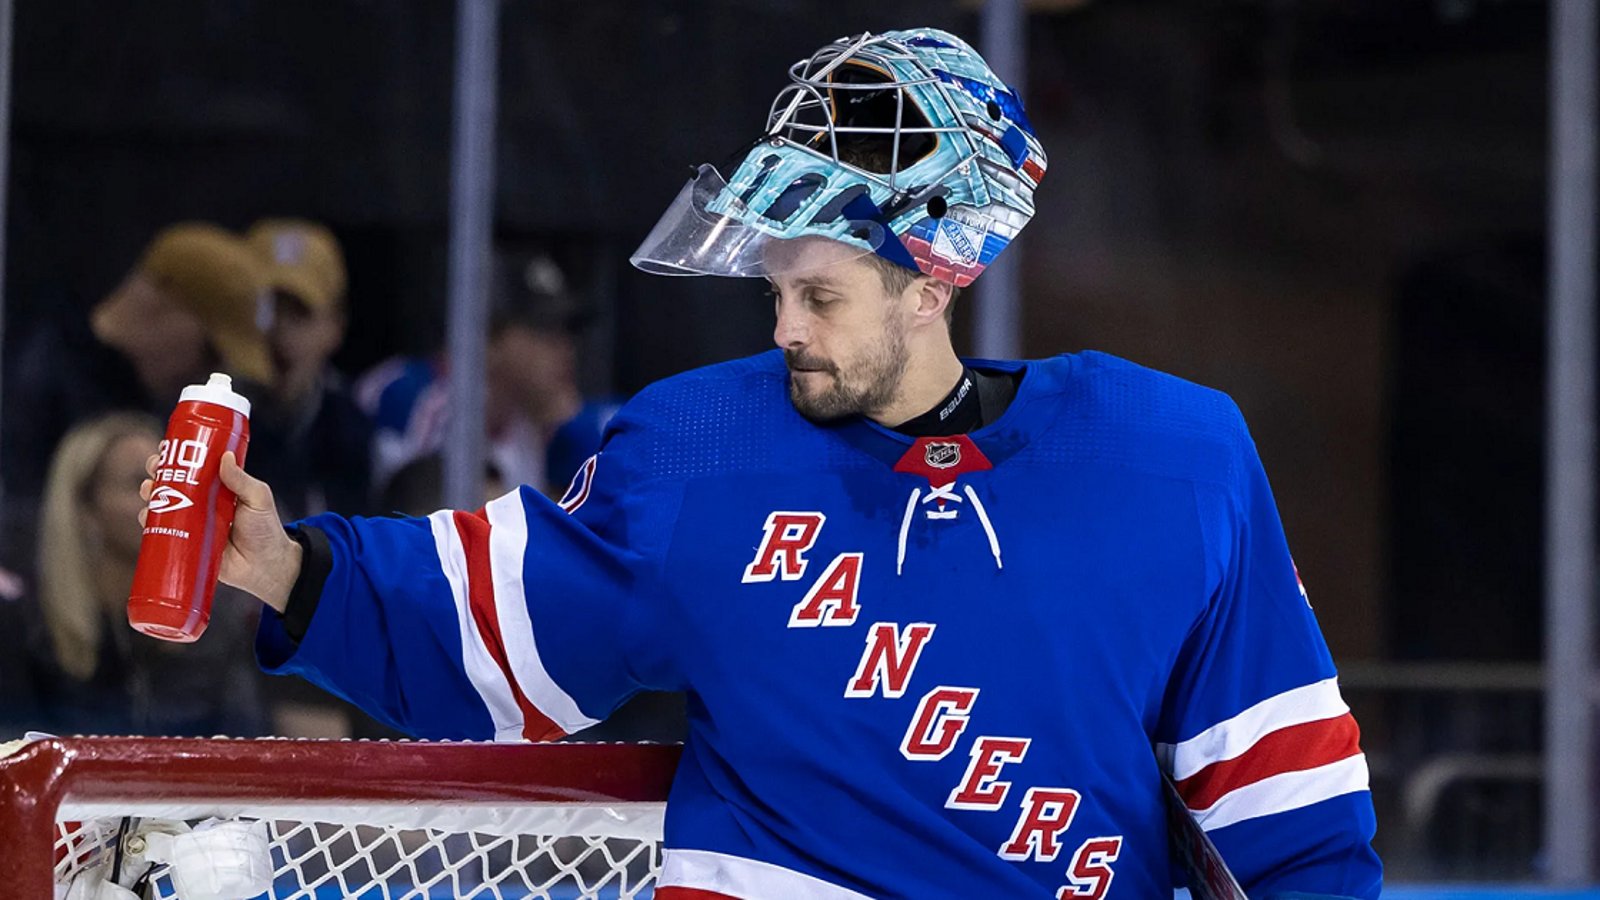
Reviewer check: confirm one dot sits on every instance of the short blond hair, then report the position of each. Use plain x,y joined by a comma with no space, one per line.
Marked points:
896,278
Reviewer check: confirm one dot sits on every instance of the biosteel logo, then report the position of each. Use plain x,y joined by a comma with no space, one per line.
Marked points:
168,499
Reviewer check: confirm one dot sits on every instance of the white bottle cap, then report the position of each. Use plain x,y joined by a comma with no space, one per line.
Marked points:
218,389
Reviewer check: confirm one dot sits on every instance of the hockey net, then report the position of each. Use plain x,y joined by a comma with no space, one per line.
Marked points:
332,819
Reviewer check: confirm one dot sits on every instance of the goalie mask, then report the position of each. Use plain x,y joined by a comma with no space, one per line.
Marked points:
904,144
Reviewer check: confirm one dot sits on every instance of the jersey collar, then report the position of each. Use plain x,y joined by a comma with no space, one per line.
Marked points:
997,441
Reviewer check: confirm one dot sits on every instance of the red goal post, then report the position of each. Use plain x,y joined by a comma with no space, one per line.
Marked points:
408,788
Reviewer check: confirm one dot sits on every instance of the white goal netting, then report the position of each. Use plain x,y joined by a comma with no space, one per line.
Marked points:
376,854
154,820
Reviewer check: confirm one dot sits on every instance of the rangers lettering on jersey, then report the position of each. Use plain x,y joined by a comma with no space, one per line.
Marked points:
785,539
889,659
1091,871
832,599
1046,812
939,720
981,787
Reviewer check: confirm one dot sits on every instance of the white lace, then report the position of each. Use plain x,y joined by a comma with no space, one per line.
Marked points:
988,527
944,492
905,528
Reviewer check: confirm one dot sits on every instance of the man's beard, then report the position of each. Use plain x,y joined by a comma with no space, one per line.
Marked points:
871,384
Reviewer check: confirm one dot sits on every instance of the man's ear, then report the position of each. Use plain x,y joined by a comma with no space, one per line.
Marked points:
933,298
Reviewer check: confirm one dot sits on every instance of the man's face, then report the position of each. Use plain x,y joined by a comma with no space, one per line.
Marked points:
842,334
303,340
113,503
161,336
529,363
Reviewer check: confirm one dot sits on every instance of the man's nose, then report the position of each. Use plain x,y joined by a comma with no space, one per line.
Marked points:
792,330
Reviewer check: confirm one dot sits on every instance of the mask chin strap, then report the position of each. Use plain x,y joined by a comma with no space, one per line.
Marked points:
862,209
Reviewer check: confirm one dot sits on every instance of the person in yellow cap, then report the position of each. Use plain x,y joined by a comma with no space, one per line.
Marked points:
318,441
193,303
306,274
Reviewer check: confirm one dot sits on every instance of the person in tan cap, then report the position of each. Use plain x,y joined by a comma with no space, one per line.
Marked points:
306,274
319,441
194,302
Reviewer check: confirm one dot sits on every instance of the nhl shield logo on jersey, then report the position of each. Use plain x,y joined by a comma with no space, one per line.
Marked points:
942,454
943,460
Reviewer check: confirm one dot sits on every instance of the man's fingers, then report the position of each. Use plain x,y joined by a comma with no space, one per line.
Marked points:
146,488
252,492
150,464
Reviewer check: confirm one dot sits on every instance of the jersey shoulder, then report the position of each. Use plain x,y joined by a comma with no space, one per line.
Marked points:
1117,412
725,417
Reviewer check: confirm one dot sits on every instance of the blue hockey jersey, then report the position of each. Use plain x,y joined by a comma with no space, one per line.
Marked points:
931,667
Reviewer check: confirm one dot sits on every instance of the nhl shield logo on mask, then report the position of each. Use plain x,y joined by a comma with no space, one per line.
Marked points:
943,454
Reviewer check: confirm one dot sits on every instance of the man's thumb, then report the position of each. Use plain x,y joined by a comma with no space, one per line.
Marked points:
252,492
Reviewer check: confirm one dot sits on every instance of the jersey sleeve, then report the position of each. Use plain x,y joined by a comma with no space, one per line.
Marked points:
1254,731
521,621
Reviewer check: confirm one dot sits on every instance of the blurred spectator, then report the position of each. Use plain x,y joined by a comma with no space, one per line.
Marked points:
313,444
418,488
543,427
408,399
193,304
540,426
92,673
21,666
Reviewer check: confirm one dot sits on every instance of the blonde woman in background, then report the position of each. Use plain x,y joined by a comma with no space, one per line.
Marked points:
86,550
104,677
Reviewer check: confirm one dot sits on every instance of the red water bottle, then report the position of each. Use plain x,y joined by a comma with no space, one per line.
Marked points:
190,513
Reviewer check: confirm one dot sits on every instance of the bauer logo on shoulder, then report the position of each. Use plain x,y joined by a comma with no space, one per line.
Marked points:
190,513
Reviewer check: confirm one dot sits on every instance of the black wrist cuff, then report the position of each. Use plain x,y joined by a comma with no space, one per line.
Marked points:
316,564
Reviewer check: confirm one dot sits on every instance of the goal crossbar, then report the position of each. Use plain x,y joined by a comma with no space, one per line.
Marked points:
614,790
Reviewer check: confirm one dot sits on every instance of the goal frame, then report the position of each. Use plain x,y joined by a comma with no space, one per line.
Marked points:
36,781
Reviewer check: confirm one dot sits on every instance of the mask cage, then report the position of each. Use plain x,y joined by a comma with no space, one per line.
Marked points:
845,97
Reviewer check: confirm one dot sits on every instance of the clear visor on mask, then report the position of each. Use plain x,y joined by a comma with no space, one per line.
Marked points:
708,230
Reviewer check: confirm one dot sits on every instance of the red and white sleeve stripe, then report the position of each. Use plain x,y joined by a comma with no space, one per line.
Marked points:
1289,751
481,555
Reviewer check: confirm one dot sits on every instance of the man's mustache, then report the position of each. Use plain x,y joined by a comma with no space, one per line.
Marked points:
796,360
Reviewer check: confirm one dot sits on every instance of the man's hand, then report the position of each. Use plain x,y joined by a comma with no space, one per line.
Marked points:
261,559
